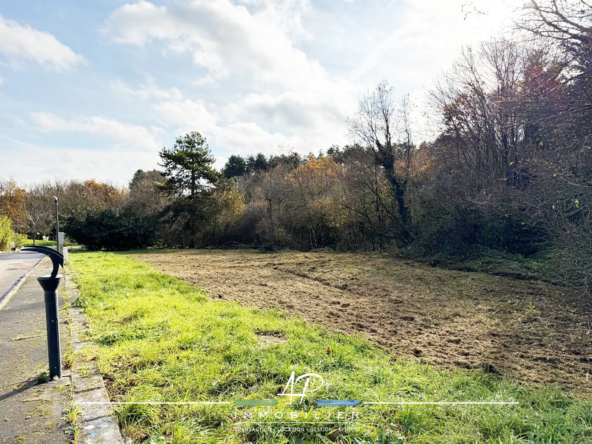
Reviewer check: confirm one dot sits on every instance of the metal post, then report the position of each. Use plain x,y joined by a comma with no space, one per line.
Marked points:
50,290
50,284
57,225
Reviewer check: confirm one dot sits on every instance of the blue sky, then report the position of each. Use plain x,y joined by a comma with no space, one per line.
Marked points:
95,89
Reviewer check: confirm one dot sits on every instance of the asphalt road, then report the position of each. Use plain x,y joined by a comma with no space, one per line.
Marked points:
13,266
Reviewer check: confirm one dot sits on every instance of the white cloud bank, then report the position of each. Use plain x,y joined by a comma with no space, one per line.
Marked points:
285,98
302,105
434,31
273,94
25,44
32,161
121,134
223,37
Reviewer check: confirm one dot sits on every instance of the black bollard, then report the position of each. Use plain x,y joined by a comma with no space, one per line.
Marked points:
50,289
50,286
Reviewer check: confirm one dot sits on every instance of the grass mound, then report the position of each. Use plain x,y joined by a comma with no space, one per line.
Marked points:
160,339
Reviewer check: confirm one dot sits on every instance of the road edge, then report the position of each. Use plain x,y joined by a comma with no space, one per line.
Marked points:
8,296
98,424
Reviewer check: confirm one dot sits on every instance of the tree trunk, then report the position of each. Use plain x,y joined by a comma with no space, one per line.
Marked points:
399,191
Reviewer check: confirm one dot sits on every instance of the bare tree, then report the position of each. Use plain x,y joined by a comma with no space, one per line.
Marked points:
39,208
383,127
567,21
146,195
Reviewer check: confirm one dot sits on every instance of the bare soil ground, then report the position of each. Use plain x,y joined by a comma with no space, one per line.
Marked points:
527,331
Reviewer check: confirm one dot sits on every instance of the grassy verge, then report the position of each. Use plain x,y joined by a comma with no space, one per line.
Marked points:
160,339
39,243
50,244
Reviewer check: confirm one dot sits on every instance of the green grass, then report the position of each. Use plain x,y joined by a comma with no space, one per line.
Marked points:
39,243
160,339
51,244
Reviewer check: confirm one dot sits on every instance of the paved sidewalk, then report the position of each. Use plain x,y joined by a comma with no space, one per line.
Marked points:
30,411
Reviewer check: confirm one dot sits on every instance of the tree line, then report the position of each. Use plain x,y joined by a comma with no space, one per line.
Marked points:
511,169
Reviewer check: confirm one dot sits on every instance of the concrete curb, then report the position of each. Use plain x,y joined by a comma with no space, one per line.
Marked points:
8,296
98,424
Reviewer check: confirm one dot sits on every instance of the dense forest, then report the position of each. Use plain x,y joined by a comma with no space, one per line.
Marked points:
510,172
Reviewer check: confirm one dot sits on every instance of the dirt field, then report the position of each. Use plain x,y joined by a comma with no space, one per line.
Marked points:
527,331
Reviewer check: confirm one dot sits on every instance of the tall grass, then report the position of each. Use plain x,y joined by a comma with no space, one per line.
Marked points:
160,339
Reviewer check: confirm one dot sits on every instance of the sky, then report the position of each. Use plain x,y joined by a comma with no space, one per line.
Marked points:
95,89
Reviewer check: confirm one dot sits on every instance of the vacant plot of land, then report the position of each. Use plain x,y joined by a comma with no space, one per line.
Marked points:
525,330
161,342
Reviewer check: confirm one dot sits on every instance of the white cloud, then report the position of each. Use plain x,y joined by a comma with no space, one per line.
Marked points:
23,43
148,91
31,162
285,97
17,120
433,33
250,43
219,126
264,74
257,123
122,134
225,38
